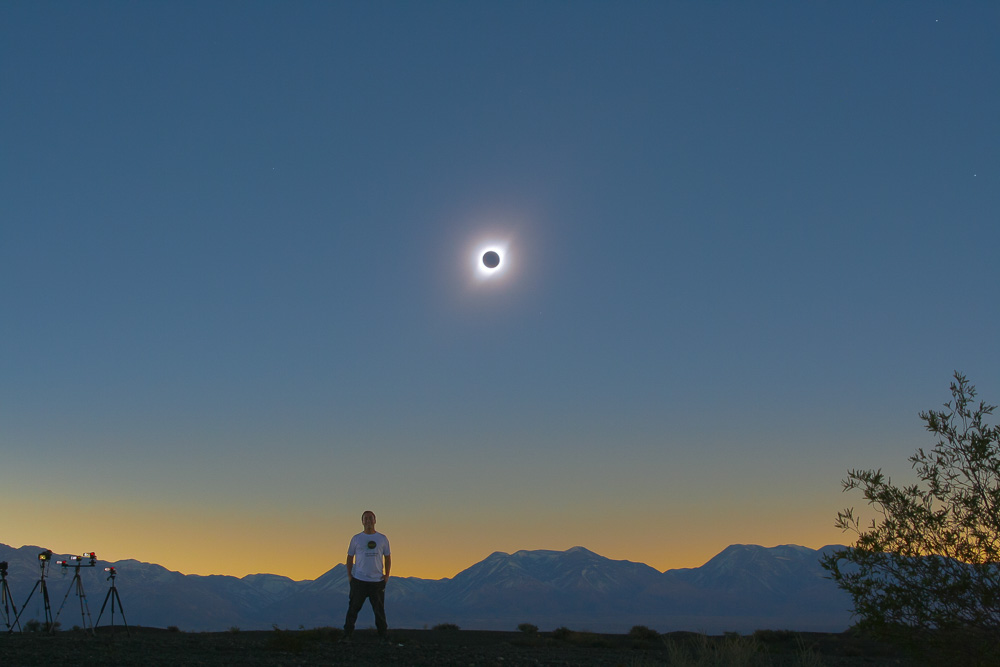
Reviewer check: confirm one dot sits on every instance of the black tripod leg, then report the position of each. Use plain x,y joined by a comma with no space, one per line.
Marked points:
72,584
48,608
84,606
8,604
121,609
23,607
106,598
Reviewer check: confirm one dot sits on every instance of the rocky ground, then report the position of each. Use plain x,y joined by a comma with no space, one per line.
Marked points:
148,646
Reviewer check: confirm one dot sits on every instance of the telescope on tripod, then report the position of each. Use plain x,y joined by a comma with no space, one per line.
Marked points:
77,584
44,559
7,599
88,559
113,596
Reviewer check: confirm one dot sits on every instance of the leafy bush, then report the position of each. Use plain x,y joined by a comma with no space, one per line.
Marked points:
528,628
925,568
446,626
34,625
643,633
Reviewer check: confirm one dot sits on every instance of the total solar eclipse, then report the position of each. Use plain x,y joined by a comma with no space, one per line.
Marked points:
490,260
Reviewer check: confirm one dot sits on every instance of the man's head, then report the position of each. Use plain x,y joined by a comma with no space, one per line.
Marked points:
368,521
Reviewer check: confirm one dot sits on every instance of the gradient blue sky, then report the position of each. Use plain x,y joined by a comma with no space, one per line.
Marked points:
746,244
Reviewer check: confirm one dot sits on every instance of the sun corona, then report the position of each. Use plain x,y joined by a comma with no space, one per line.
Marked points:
490,261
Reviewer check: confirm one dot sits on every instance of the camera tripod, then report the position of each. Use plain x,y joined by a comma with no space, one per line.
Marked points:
40,584
112,596
8,599
78,584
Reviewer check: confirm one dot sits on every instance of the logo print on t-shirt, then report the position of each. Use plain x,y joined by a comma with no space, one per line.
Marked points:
371,544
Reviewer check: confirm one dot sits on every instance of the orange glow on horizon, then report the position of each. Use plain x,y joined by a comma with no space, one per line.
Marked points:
413,556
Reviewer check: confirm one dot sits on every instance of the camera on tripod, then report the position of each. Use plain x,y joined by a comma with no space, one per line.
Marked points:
45,555
77,561
3,568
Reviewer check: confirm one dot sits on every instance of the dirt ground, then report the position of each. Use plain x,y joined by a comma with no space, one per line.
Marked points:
149,646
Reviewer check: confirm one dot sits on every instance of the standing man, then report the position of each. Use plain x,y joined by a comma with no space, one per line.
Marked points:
367,576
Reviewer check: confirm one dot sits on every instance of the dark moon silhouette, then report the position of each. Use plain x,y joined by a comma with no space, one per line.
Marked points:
491,259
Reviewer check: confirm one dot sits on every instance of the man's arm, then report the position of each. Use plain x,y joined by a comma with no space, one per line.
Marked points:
388,566
350,567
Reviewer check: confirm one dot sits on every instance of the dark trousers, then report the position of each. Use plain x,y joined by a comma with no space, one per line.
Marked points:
366,590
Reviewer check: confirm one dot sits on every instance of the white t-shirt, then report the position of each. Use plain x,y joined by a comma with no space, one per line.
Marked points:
368,551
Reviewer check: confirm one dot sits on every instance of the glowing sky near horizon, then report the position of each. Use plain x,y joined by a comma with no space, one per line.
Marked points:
241,247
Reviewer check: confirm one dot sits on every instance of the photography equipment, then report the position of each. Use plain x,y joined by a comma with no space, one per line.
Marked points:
77,583
43,561
113,595
8,599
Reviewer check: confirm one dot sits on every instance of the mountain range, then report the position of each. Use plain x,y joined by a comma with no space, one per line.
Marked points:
743,588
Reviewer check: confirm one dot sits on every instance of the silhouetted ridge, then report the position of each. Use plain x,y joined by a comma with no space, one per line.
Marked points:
743,588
